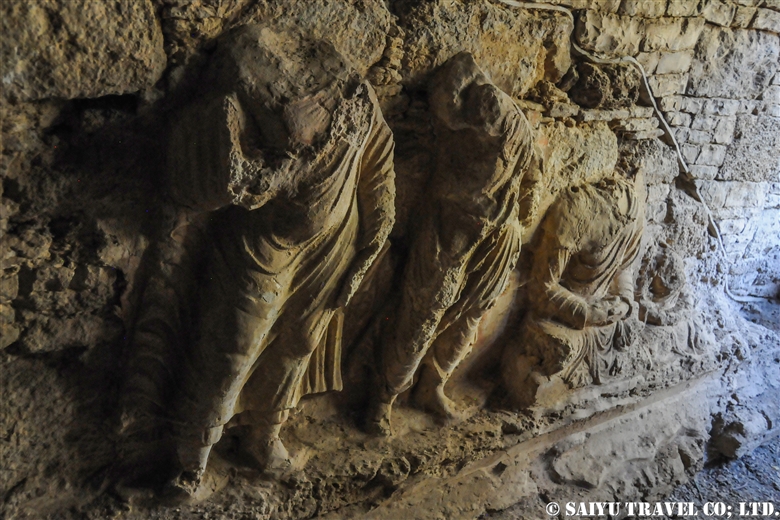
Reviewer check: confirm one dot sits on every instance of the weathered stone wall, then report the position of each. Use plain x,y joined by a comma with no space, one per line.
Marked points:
698,55
87,91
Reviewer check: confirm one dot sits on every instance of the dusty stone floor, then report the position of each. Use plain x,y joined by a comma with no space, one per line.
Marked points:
764,313
753,478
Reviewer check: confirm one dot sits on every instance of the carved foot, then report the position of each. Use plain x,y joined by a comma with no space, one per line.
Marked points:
433,400
268,452
184,486
378,418
197,486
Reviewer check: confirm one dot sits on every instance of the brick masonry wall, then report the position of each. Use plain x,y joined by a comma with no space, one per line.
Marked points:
713,68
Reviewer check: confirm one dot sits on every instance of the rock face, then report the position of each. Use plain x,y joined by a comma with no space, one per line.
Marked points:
496,35
721,57
53,49
226,227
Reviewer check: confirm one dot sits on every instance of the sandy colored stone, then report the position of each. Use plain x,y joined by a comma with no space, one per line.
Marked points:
616,35
610,86
743,16
584,319
76,260
678,119
656,160
638,125
672,34
674,62
609,6
718,12
766,20
279,91
648,60
357,30
610,34
699,171
752,156
493,33
70,49
711,155
642,8
682,7
722,58
668,84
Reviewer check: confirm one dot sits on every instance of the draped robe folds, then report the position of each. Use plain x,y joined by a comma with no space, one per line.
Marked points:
587,246
463,253
268,331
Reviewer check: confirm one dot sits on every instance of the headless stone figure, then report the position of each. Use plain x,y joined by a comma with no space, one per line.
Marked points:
466,245
289,159
581,295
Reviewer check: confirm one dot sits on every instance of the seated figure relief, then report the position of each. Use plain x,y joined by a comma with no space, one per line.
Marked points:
466,244
582,312
291,161
661,287
667,305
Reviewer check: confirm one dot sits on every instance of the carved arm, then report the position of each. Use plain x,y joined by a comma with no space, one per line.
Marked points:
376,202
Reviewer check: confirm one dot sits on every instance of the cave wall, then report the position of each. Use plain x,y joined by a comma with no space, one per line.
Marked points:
88,89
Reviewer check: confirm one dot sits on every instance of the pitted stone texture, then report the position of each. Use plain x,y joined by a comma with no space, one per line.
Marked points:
626,35
357,29
79,48
656,160
767,20
494,34
718,12
642,8
607,6
735,64
743,16
606,86
682,7
753,155
583,463
568,155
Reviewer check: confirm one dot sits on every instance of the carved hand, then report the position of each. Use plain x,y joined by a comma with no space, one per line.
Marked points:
608,310
357,271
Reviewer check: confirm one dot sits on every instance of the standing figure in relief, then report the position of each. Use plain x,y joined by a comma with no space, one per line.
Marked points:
581,290
467,244
292,160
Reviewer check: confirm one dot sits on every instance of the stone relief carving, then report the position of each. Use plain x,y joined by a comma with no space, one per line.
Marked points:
667,306
583,313
282,175
466,245
291,162
661,287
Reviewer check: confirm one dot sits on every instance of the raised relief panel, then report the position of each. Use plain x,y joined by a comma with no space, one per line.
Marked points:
286,164
466,244
582,318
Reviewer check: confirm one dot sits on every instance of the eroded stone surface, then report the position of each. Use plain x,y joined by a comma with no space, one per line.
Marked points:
84,209
495,35
722,55
53,49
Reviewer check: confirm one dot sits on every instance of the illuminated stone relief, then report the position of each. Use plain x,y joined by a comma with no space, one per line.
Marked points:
292,163
282,173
